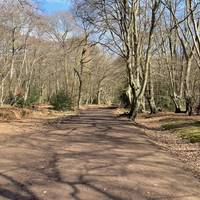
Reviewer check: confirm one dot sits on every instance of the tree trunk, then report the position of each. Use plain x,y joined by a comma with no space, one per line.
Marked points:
66,74
79,94
189,105
129,95
188,92
150,94
2,93
99,96
177,104
143,105
134,109
80,86
152,106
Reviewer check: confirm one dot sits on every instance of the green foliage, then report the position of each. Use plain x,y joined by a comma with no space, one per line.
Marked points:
16,100
123,98
61,101
33,96
165,102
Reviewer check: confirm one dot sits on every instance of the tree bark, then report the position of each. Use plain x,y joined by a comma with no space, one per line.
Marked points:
150,94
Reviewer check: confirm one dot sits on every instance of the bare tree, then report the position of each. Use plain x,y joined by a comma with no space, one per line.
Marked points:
120,26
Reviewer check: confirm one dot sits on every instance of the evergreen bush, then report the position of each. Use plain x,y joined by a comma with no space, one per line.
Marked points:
61,101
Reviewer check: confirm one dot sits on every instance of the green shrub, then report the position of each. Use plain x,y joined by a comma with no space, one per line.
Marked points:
33,96
16,100
165,102
61,101
123,98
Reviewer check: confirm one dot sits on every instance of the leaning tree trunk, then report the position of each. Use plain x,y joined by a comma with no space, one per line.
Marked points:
80,86
178,103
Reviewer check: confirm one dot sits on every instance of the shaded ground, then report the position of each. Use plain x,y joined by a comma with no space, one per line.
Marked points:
94,156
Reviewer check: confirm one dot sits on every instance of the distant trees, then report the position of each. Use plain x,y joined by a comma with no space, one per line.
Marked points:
42,56
182,38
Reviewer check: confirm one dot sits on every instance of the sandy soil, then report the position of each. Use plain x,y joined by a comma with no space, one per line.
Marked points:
93,156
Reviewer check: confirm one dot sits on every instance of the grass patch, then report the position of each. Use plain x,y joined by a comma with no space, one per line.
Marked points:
192,134
189,129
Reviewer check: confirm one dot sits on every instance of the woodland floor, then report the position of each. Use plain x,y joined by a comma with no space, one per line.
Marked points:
93,156
178,134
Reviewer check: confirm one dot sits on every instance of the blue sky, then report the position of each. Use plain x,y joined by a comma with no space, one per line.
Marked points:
52,6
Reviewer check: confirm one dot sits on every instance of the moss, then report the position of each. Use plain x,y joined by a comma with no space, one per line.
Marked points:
189,130
190,133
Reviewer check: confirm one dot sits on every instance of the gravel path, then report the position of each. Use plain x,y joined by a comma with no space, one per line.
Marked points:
93,156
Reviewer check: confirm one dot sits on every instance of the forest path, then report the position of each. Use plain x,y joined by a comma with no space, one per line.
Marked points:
94,156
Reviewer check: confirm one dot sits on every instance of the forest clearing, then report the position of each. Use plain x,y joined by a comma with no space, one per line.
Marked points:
100,100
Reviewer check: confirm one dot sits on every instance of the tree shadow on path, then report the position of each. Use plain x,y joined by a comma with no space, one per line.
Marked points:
93,156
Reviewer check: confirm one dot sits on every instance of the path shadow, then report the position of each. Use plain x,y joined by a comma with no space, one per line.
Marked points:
20,192
92,157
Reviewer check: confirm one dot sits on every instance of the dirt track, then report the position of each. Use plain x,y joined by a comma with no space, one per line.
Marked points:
91,157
